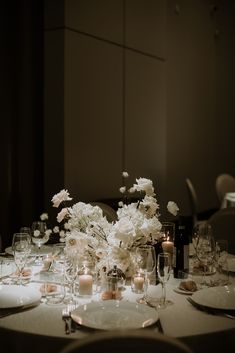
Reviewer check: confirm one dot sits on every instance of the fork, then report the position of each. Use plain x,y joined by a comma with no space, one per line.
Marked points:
66,318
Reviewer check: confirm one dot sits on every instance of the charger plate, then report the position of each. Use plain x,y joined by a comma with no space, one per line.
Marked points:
112,314
216,297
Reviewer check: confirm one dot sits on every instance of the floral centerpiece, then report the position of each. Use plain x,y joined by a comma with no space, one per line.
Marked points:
88,233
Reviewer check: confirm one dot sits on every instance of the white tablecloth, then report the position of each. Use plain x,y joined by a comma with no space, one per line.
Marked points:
42,326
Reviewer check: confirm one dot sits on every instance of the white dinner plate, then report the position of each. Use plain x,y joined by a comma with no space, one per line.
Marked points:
12,296
44,250
216,297
111,314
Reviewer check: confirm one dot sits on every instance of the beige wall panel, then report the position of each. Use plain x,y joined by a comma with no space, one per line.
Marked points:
93,117
145,138
191,144
146,26
101,18
53,114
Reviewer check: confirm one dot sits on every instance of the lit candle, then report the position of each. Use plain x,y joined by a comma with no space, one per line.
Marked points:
168,246
138,282
85,284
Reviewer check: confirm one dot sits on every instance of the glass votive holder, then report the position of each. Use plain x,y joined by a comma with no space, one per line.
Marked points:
137,282
110,289
53,294
85,281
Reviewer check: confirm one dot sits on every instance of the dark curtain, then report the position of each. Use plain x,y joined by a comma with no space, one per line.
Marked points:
21,110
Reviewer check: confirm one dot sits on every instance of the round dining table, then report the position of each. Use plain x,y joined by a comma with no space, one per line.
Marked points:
41,329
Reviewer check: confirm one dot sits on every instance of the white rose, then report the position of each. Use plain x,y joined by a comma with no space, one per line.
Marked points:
172,208
125,174
145,185
62,214
63,195
44,216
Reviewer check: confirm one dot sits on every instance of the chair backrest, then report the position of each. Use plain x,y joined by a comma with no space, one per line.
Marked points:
108,211
192,199
223,226
142,340
224,183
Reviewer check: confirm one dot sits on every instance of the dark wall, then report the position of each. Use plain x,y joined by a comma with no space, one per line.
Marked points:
21,115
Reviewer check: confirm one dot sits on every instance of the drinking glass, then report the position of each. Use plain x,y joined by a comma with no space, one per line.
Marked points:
39,237
70,273
205,252
21,250
164,266
146,264
221,257
201,229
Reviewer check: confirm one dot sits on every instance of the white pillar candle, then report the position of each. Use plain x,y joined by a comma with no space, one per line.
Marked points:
138,283
167,246
85,284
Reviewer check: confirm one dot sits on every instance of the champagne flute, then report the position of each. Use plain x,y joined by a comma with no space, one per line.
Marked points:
164,267
70,273
21,250
146,264
39,237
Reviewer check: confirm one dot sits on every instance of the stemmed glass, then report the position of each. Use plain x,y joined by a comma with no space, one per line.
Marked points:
146,263
221,257
21,250
206,252
70,273
164,266
39,237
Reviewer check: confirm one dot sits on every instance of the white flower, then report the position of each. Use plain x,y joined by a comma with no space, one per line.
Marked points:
48,233
36,233
172,207
145,185
122,189
87,233
44,216
125,174
56,229
62,196
62,214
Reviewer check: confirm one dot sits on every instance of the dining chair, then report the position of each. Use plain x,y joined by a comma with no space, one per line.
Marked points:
141,340
223,226
224,183
108,211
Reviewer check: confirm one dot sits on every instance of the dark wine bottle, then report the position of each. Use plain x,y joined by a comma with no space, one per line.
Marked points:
181,252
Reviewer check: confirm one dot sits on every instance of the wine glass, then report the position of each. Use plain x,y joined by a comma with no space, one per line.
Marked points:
164,267
39,237
146,264
21,249
206,252
221,257
202,228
